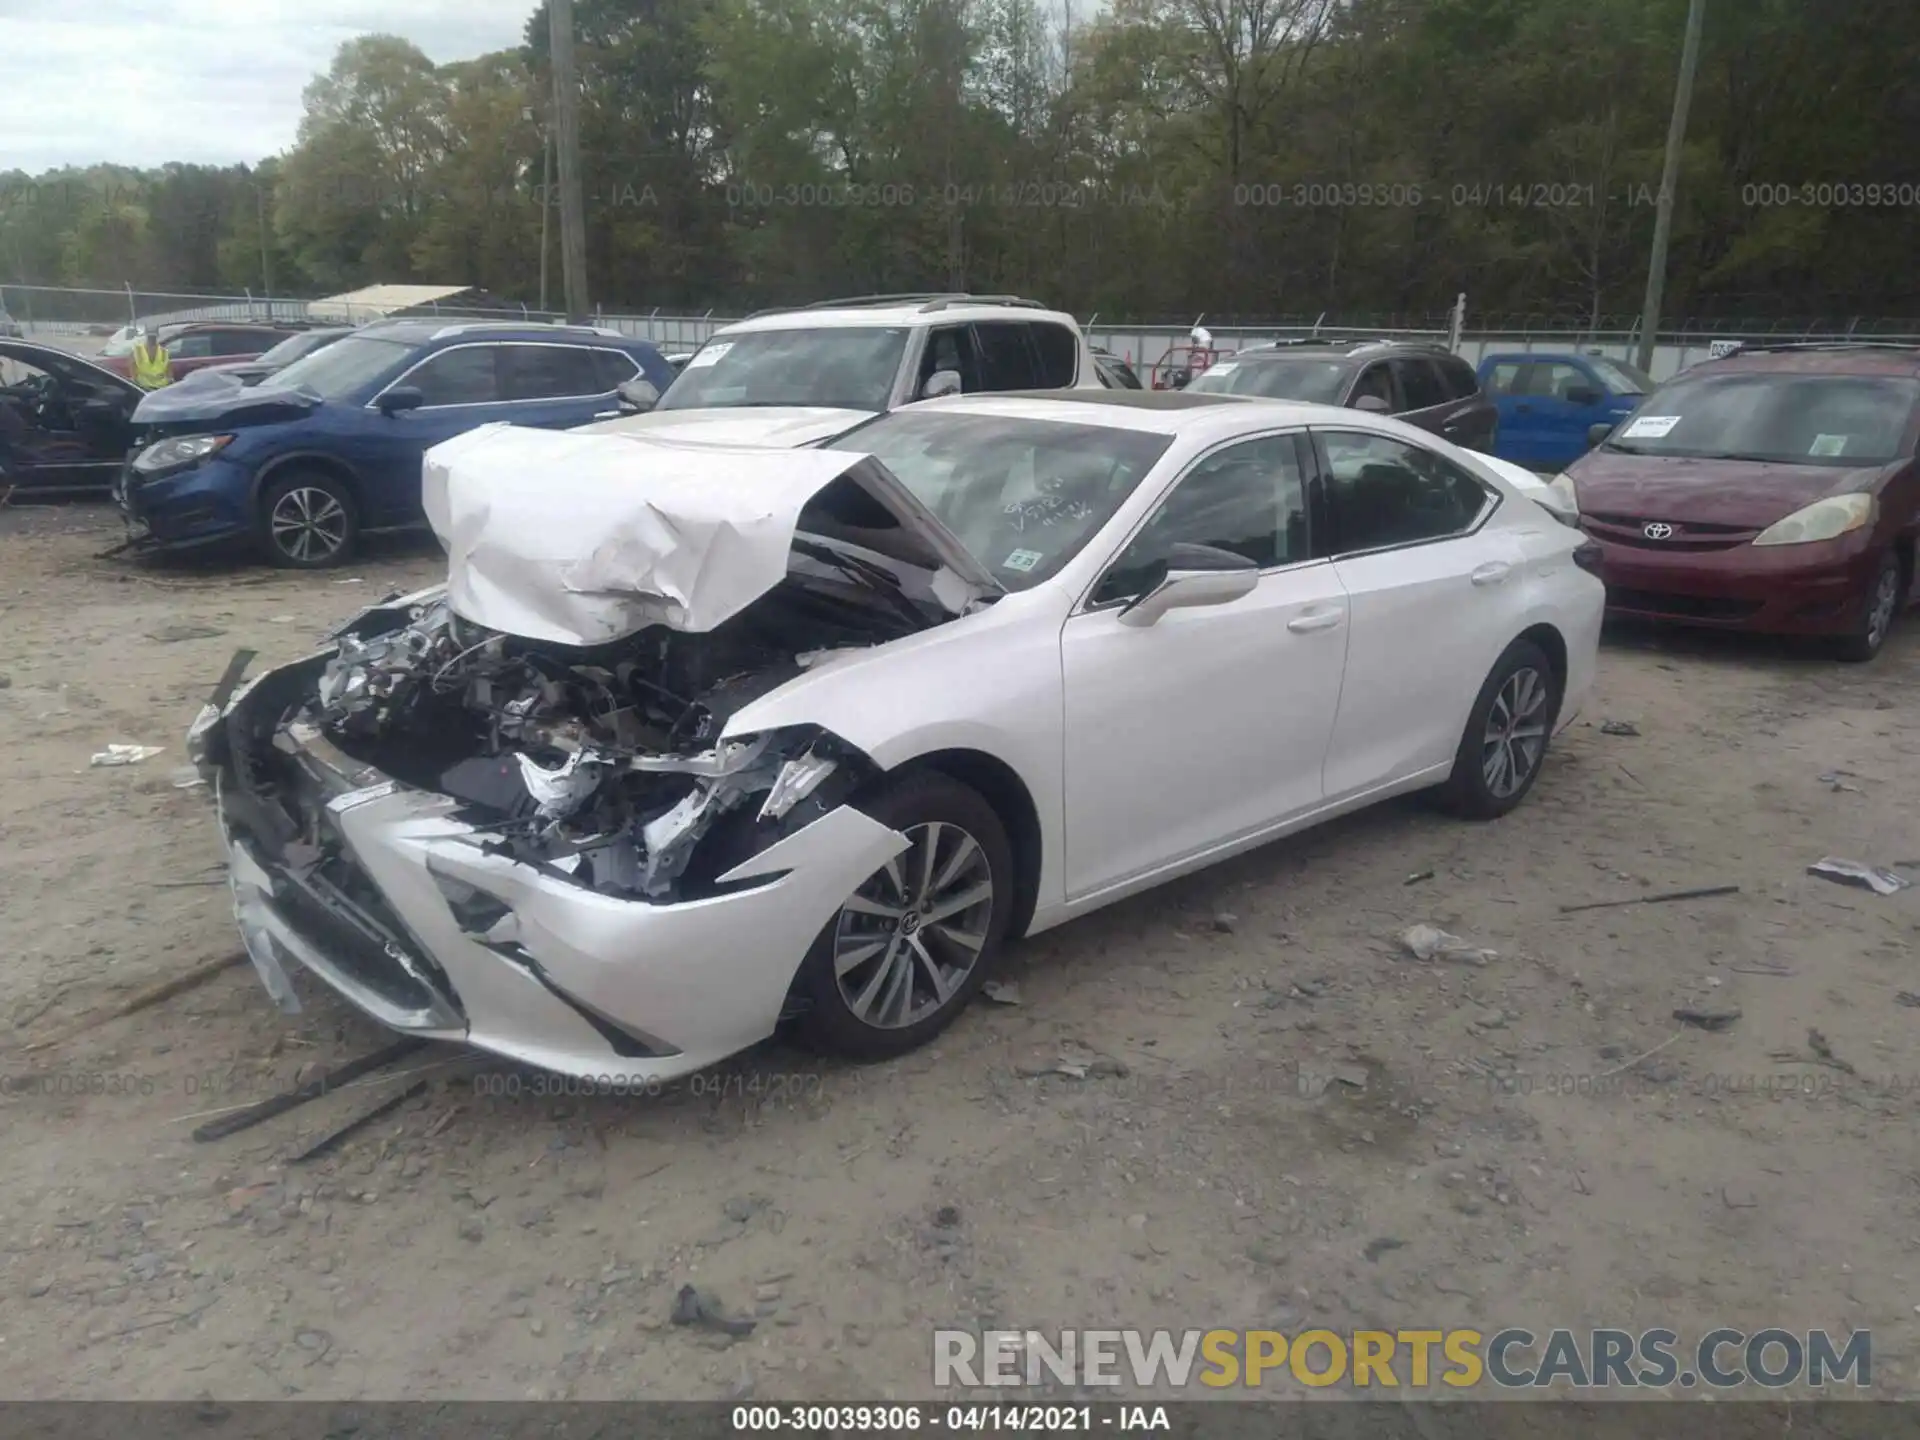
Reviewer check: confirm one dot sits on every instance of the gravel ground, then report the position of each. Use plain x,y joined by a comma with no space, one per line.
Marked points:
1492,1151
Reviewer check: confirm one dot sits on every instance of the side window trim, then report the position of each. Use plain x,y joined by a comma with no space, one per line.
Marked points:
1320,511
496,346
1303,458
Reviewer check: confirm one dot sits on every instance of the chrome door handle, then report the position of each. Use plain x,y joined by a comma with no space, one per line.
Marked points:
1492,573
1314,620
606,414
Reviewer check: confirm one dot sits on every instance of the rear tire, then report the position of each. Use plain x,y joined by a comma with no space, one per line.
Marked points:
1878,611
1508,730
917,939
308,521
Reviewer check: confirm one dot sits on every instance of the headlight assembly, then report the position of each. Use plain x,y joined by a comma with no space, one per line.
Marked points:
181,450
1826,519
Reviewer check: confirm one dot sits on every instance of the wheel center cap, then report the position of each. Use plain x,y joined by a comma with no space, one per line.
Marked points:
910,922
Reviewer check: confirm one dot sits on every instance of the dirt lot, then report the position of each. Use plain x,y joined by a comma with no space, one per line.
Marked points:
476,1245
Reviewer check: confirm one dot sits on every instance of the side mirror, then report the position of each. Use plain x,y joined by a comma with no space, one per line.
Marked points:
1372,405
638,395
1583,395
402,397
1195,575
942,382
1597,433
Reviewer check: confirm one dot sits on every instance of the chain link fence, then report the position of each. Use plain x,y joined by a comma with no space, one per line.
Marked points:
84,318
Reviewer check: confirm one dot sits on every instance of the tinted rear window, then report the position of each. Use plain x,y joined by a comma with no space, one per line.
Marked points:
1295,377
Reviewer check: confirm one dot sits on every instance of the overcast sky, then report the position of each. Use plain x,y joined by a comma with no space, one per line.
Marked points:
140,82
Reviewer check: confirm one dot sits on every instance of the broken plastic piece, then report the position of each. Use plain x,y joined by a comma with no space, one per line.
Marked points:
126,754
1863,877
1430,942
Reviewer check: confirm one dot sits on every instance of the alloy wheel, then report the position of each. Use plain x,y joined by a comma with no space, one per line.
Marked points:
909,937
308,524
1886,600
1516,733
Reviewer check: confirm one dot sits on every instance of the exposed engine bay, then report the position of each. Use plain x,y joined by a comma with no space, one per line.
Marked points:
604,764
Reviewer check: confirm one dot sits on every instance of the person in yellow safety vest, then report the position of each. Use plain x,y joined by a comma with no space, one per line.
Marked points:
152,366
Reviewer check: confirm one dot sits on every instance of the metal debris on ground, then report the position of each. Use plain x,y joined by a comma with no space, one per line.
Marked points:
1417,877
692,1307
174,634
1823,1052
1701,893
1619,727
1099,1067
1708,1017
116,754
1862,877
1001,992
1430,942
1837,780
1908,999
185,777
251,1115
334,1140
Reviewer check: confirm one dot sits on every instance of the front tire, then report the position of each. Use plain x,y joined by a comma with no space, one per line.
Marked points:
1508,730
308,521
916,940
1877,613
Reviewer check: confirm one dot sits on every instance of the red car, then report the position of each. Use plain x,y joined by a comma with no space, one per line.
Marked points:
195,346
1775,490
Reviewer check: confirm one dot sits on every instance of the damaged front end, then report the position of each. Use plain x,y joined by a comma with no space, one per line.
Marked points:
557,851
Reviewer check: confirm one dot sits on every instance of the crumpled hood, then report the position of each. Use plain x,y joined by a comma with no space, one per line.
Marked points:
218,397
582,539
783,425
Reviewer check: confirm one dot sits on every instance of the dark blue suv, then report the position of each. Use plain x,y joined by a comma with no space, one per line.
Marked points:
329,448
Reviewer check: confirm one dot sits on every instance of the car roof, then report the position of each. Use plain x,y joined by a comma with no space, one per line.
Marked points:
1339,349
897,310
423,330
1164,412
1818,358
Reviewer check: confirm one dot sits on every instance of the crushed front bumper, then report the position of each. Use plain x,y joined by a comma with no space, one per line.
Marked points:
392,899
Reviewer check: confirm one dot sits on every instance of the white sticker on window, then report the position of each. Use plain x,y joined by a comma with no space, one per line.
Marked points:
1225,367
710,356
1829,445
1651,427
1022,560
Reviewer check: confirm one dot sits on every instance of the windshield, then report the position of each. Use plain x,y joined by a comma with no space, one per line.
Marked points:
342,367
845,368
293,347
1785,418
1620,379
1294,378
1023,496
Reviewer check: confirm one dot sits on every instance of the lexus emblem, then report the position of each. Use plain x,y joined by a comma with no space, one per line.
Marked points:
1658,530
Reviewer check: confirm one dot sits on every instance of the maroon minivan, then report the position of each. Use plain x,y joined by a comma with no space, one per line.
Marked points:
1774,490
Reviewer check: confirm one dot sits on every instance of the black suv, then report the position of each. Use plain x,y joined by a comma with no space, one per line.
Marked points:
1424,385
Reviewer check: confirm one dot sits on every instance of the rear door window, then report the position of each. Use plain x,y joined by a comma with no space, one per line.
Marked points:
1420,384
241,342
197,346
463,376
1383,492
1458,376
1376,380
548,372
1006,356
615,368
1058,352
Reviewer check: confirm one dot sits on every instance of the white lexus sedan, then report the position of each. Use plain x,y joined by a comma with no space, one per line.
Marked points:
699,738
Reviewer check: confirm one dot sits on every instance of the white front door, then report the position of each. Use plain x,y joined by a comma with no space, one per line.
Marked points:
1212,722
1434,599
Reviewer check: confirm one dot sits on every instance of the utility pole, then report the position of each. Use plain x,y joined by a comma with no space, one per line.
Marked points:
566,116
1669,178
266,269
546,205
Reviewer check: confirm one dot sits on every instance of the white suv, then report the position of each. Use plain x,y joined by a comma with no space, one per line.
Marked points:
791,377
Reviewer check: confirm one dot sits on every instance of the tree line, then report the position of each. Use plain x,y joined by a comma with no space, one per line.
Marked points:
1144,158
